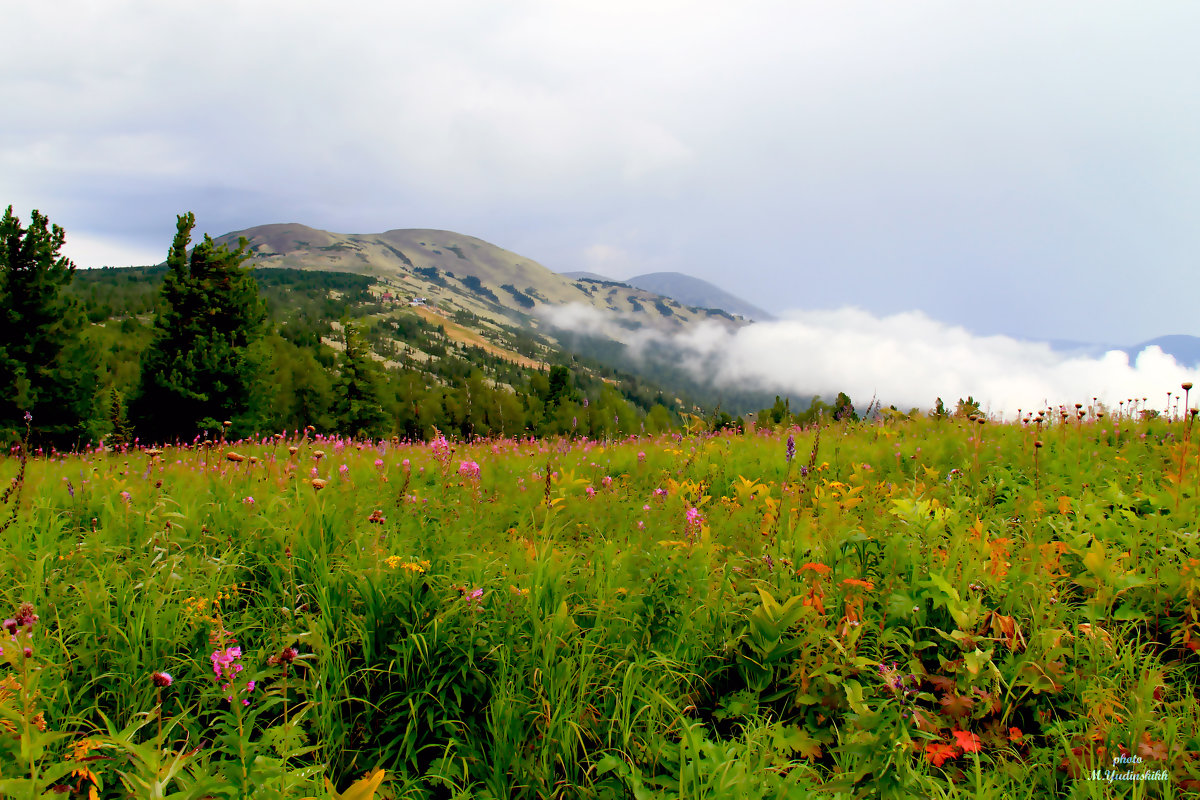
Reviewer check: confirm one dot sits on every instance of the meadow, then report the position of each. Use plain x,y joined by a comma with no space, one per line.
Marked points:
896,608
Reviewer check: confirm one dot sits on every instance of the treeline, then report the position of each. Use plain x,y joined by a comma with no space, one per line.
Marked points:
204,346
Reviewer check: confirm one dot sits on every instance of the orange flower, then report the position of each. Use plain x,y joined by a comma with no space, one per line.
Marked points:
866,586
938,753
1015,735
969,742
820,569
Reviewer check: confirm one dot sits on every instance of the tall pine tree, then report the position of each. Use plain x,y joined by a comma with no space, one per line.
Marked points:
199,368
45,368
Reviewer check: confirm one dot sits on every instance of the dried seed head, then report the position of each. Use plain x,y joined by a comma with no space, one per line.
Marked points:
1186,386
1038,443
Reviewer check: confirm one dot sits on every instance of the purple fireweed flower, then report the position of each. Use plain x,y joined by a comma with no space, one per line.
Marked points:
790,453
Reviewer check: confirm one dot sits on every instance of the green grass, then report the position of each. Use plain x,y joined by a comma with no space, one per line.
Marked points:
924,612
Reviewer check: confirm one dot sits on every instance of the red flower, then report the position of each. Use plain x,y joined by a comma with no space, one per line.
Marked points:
969,742
1015,735
938,753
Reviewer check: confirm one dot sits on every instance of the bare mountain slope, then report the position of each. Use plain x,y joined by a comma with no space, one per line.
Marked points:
456,272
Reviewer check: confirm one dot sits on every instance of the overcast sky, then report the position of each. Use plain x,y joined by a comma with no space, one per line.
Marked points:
1024,168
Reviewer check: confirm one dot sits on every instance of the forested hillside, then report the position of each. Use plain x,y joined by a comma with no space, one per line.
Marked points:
421,376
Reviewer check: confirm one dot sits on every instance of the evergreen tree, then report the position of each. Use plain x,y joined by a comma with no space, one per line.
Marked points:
359,396
843,408
45,368
198,369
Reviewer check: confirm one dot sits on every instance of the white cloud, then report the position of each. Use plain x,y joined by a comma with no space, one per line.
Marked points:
90,251
905,359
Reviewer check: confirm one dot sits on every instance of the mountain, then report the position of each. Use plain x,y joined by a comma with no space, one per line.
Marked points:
696,292
684,289
1184,349
458,273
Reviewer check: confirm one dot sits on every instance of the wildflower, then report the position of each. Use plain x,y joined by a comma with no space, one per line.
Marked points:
790,452
441,448
641,458
860,584
225,662
606,481
469,470
318,483
285,656
248,500
377,517
379,463
234,457
162,679
393,561
694,523
418,567
1015,735
25,618
126,496
28,417
591,492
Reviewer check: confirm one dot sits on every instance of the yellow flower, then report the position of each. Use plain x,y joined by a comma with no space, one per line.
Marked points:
393,561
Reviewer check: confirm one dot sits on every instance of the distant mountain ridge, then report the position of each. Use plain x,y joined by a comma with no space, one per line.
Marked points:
686,289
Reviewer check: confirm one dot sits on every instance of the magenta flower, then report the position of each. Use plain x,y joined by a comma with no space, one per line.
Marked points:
225,662
162,679
469,470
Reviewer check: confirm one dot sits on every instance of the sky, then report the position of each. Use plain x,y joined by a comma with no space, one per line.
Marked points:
1019,168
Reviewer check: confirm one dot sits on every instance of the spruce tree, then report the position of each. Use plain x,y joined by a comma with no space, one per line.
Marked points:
199,368
45,369
359,394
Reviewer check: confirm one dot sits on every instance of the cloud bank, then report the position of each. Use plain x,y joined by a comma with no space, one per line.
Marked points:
907,360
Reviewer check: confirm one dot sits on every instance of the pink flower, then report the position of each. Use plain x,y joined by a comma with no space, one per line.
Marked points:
441,448
225,662
591,492
162,679
606,481
469,470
